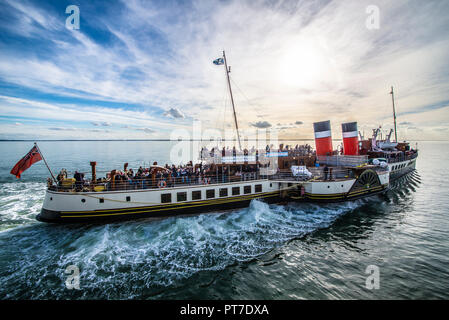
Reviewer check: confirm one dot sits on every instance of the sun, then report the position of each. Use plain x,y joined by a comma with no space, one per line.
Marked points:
304,64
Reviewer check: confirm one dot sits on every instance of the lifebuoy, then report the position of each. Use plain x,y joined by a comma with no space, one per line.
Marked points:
162,184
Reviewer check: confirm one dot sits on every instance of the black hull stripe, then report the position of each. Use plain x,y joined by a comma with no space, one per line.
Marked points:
177,204
192,205
343,195
147,210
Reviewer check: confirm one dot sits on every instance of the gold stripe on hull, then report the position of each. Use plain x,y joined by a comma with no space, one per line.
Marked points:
157,208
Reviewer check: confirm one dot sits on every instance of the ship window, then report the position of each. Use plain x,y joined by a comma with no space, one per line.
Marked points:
101,200
246,189
166,198
83,200
223,192
210,193
181,196
235,191
196,195
258,188
128,198
271,185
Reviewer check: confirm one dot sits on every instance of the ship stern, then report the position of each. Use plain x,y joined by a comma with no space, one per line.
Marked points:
48,212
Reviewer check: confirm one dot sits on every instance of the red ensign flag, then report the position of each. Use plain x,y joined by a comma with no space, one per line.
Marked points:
31,157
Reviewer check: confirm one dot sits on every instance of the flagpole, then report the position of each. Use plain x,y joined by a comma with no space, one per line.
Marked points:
35,144
232,98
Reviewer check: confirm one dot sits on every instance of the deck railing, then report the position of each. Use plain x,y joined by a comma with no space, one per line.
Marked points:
401,158
342,160
156,183
318,173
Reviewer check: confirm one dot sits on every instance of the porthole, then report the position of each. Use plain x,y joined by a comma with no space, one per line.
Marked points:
51,198
101,200
342,186
328,186
128,198
83,200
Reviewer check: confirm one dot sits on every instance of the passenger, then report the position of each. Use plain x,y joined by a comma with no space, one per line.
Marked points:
79,180
60,178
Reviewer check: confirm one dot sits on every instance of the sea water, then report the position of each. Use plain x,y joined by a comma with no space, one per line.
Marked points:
294,251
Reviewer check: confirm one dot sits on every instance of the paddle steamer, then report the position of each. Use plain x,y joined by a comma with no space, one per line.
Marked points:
227,181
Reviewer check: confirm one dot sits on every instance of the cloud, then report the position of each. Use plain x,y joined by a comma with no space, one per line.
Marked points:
147,130
62,129
104,124
318,60
174,113
261,124
299,122
405,123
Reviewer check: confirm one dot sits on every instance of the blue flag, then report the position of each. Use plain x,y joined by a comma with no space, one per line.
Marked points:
219,61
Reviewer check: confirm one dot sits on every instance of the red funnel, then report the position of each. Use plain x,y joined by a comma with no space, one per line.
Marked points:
350,139
323,138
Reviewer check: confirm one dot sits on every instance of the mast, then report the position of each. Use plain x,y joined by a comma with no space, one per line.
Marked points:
227,71
394,115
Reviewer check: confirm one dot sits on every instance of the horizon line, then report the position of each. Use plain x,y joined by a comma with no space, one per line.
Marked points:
284,139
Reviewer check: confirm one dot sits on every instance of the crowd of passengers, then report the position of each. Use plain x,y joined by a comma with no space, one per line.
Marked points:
168,176
298,150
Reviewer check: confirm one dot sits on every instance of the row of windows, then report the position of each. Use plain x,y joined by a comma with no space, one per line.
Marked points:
196,195
399,166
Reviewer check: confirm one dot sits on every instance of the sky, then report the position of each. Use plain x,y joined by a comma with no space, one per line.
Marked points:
143,69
